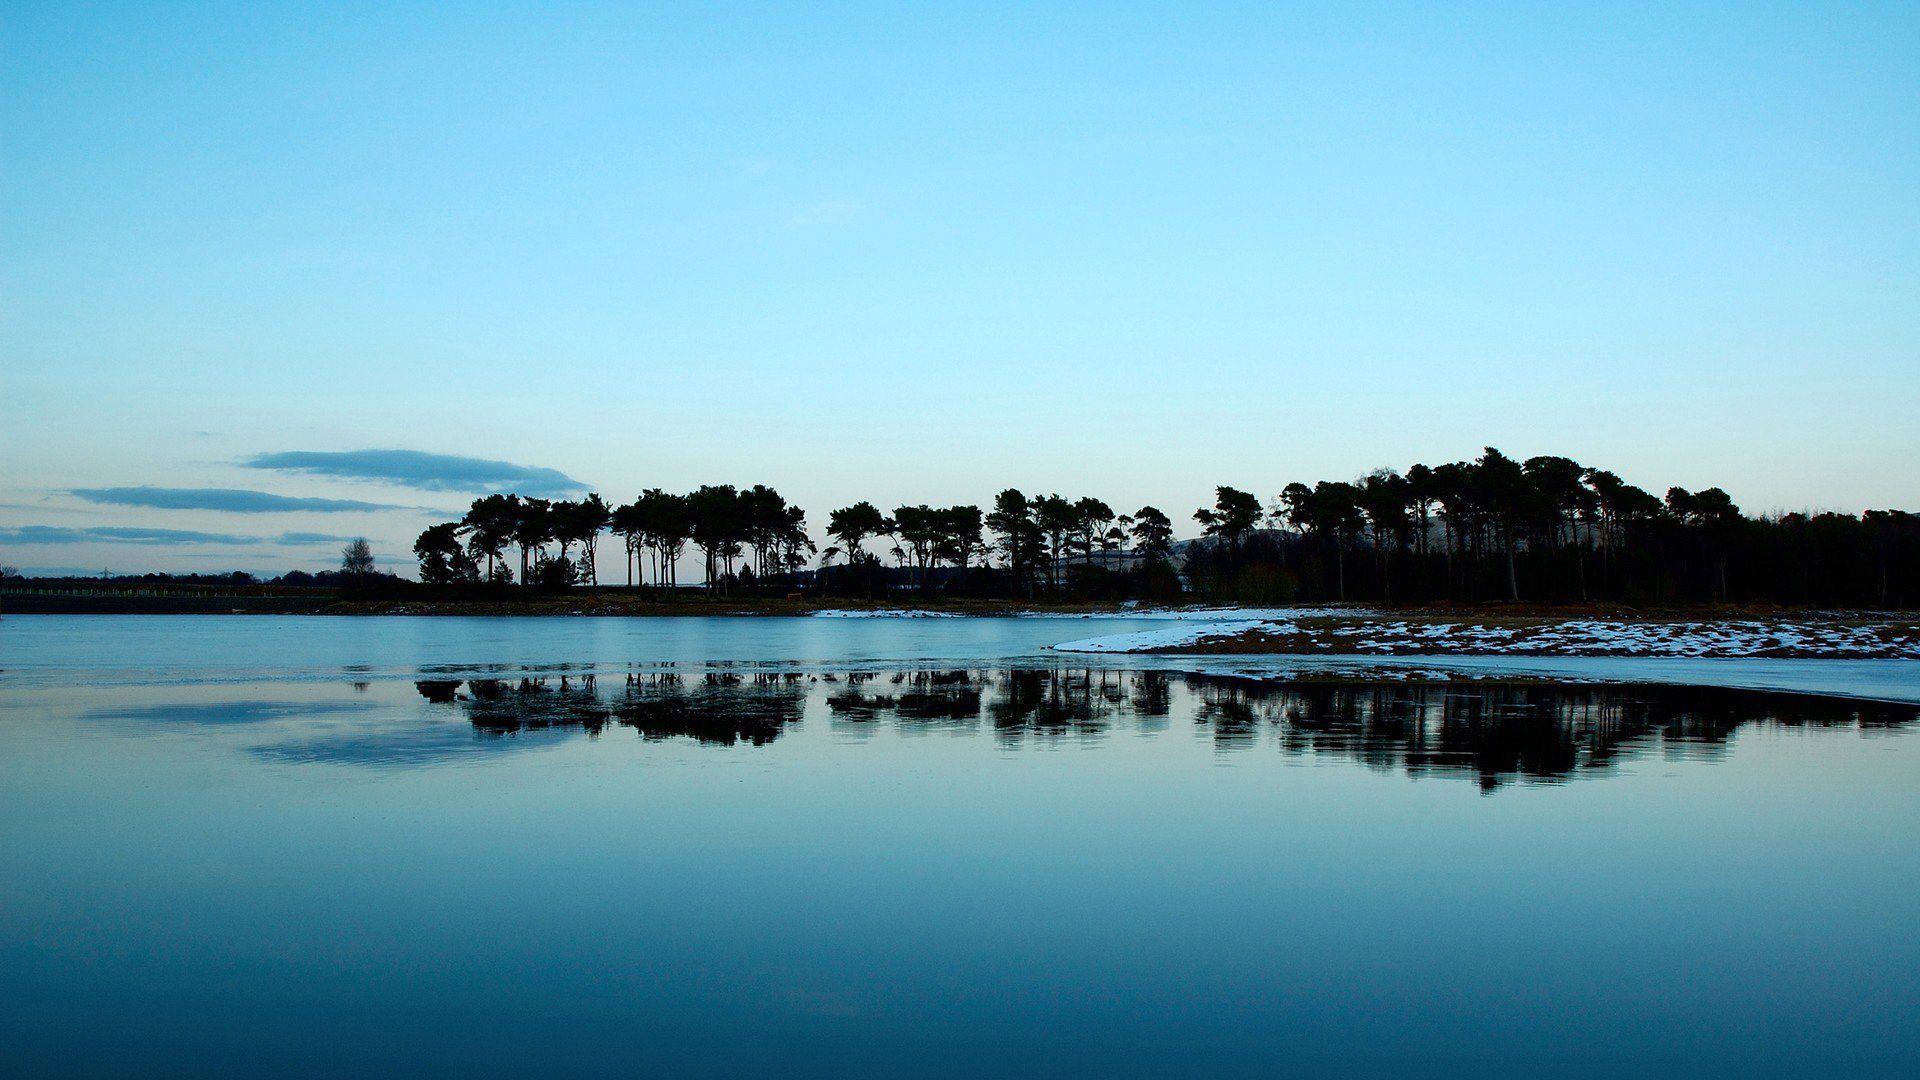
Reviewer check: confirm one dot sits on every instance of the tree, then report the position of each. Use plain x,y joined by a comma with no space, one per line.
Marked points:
1382,498
629,524
1092,519
356,560
794,545
1019,535
1234,514
489,526
718,528
853,526
960,535
665,521
1711,515
1501,489
1152,533
1057,521
1452,488
532,529
1337,515
920,528
1420,500
765,524
1328,512
443,560
583,523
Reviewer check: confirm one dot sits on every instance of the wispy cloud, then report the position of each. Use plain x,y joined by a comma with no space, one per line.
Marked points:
231,500
56,534
427,472
299,539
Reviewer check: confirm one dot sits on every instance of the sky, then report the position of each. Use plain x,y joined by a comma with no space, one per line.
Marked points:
272,276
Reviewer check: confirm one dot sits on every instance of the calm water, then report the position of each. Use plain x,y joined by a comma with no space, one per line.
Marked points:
928,847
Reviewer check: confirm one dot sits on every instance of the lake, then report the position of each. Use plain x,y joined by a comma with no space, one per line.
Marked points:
931,847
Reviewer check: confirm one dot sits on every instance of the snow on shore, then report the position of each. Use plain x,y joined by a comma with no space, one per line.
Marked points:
885,613
1170,637
1215,616
1578,637
1207,614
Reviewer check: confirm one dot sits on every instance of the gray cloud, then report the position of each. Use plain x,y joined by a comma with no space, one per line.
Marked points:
55,534
427,472
233,500
138,535
127,535
295,539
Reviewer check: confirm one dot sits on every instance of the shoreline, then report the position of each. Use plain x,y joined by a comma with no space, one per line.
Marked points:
614,603
1807,636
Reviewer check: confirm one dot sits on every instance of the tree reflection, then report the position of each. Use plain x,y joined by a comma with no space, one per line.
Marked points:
1491,732
721,708
1496,732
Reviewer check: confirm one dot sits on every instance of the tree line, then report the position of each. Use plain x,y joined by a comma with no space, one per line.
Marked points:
742,535
1491,528
1543,529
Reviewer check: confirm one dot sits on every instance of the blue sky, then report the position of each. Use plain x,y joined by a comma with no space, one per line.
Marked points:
920,253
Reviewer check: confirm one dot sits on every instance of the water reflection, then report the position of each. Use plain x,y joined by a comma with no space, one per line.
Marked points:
1495,732
225,713
721,708
1492,733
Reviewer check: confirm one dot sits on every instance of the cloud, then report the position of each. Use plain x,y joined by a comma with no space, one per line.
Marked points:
55,534
295,539
427,472
232,500
136,535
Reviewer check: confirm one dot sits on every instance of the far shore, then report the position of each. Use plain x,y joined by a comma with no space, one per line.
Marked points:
616,602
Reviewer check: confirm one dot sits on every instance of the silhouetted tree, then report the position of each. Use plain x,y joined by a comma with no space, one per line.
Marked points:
1057,520
1092,520
920,529
719,528
532,529
853,526
1020,538
1152,533
582,523
356,560
1233,515
1563,528
489,526
443,560
1382,499
960,535
1714,519
1501,490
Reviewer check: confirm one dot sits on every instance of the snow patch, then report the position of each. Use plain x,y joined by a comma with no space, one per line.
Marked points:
886,613
1575,637
1165,638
